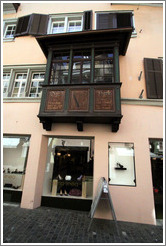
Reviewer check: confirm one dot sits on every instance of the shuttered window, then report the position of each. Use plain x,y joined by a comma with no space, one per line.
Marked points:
87,21
114,20
35,24
154,78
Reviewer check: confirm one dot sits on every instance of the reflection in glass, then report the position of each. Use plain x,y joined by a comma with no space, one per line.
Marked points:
15,151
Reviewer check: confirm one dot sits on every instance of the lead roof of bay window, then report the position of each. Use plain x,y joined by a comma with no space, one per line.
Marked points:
118,36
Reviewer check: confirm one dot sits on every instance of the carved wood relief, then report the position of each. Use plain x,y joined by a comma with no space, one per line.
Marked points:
104,100
78,99
55,100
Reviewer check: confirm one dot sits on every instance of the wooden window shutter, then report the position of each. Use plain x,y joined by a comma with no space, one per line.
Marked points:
34,24
124,20
22,26
106,21
39,24
87,20
154,78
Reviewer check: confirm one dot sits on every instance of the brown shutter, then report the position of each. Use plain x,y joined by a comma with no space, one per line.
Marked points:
34,24
106,21
124,20
154,78
22,27
38,24
87,20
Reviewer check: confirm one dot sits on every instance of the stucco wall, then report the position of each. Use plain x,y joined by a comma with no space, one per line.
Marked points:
139,123
131,203
148,43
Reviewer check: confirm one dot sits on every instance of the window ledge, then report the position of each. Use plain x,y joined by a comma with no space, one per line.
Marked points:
143,102
8,40
22,100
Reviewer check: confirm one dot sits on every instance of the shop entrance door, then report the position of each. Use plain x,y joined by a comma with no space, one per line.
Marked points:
156,154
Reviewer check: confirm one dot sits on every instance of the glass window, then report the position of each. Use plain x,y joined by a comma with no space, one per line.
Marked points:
69,168
65,24
15,152
10,30
58,26
121,164
6,80
19,85
81,67
60,68
36,84
103,66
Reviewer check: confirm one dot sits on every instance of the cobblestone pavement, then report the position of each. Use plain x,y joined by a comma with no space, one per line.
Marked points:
54,225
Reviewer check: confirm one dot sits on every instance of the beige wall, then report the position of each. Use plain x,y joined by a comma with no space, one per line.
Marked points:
131,203
148,43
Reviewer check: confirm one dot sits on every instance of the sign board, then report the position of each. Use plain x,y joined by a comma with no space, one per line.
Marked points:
102,188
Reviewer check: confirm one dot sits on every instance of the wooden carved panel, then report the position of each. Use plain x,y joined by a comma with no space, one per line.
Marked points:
55,100
104,100
78,99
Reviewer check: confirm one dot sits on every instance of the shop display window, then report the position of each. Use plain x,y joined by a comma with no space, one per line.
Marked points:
15,152
122,164
69,168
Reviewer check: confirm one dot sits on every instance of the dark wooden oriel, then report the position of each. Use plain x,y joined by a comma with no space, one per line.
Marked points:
80,104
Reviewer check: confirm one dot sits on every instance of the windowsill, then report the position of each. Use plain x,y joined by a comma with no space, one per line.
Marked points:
8,40
143,101
23,99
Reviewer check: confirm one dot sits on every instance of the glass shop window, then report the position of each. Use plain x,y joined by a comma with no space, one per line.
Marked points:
15,153
122,164
69,168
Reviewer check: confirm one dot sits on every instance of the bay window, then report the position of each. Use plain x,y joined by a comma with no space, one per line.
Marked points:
82,66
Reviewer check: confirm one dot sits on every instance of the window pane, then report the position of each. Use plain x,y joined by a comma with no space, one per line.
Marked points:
15,151
59,73
121,164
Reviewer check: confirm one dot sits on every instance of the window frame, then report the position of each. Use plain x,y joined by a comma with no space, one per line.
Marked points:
134,33
6,23
39,80
7,87
20,87
134,165
24,166
66,21
13,70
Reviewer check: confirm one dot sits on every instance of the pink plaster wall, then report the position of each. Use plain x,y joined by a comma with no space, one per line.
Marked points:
131,203
148,43
139,123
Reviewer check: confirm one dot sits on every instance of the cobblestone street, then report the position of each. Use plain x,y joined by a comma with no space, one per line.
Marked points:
53,225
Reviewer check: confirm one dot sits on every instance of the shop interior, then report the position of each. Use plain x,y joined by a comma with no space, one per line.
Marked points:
69,168
156,154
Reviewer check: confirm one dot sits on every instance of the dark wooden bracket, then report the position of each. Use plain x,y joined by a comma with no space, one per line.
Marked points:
79,126
115,127
47,124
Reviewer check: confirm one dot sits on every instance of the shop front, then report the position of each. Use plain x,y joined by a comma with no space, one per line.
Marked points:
69,173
